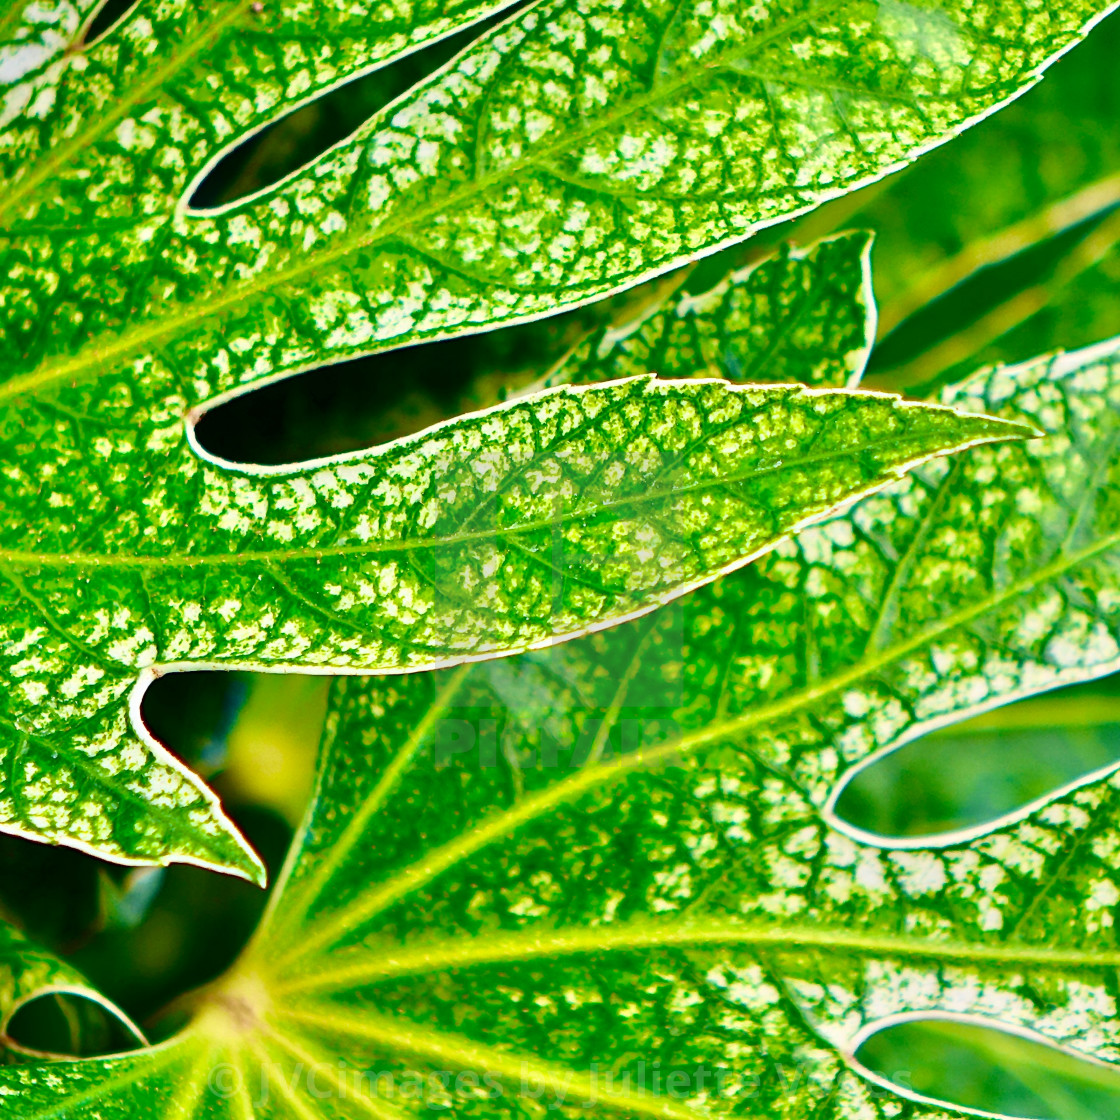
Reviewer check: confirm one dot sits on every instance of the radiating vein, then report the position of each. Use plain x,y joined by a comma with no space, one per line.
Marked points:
330,928
401,1035
307,892
532,944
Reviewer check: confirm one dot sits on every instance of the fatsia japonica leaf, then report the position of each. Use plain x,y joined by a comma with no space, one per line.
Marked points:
572,150
804,315
540,518
547,880
29,972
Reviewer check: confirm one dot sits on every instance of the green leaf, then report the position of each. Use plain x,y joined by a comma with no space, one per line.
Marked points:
29,972
490,533
569,152
547,872
805,315
572,150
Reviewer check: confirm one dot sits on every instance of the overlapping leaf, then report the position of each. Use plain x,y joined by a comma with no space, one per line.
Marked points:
805,315
542,881
499,531
571,151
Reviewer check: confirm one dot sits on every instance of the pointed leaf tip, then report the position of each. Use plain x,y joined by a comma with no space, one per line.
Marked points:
996,429
233,856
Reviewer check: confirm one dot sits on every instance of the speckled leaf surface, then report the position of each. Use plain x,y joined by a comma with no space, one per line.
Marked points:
568,152
805,315
537,519
541,881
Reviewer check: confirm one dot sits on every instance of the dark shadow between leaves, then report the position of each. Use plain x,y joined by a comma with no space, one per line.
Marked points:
969,1064
194,714
349,406
67,1024
105,18
358,404
270,154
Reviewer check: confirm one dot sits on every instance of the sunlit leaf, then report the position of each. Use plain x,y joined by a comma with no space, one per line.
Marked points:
804,315
541,518
551,879
571,151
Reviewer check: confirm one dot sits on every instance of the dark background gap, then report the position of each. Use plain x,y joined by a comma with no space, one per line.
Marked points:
106,18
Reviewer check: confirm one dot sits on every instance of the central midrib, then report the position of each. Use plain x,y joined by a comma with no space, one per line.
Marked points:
83,560
185,51
384,963
90,361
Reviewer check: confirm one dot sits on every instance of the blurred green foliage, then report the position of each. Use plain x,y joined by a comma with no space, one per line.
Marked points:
976,771
992,1070
999,246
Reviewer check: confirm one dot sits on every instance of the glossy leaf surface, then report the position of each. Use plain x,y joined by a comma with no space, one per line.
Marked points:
125,551
492,533
522,880
569,152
